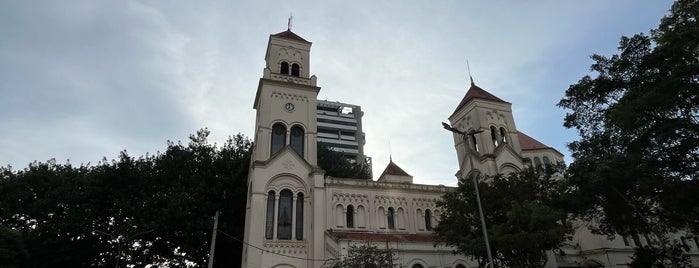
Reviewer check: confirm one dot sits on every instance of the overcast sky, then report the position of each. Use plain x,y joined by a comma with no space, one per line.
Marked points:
82,80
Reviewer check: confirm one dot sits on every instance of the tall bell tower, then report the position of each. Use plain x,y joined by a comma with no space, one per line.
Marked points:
285,185
496,148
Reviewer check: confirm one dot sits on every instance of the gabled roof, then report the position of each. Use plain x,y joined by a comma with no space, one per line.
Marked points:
415,238
288,34
529,143
393,169
475,92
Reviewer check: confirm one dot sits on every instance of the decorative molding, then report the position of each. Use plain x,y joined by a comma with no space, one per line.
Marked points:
299,248
291,79
289,96
390,200
350,198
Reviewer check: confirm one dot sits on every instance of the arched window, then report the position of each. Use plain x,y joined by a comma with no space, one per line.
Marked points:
460,266
503,135
296,139
269,223
417,265
475,143
295,70
494,135
284,218
428,220
285,68
537,163
391,218
547,161
350,216
278,138
299,216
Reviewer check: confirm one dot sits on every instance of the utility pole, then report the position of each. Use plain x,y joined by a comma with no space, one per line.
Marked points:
475,184
213,240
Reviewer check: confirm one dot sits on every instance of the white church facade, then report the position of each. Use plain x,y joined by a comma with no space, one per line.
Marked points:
297,217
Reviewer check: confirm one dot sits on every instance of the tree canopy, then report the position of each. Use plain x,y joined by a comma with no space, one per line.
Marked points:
521,214
367,256
636,165
337,165
152,210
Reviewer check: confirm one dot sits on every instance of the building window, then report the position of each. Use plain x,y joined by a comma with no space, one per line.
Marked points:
494,135
350,216
547,161
299,216
296,140
503,135
284,218
391,219
278,138
537,163
460,266
295,70
269,224
417,265
285,68
475,143
428,220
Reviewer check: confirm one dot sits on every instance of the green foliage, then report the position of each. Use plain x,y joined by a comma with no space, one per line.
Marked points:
367,256
637,161
12,250
155,209
520,212
661,255
336,165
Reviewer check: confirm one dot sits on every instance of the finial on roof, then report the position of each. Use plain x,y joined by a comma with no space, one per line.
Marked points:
390,153
469,73
289,23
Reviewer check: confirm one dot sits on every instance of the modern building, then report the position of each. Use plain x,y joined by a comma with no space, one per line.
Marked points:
297,217
340,128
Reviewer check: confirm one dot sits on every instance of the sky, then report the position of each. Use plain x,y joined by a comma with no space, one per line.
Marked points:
83,80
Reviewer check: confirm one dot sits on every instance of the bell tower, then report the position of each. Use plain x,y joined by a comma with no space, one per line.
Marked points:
285,185
496,146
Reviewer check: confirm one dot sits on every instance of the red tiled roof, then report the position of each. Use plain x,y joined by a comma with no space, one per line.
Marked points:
288,34
529,143
384,237
393,169
476,92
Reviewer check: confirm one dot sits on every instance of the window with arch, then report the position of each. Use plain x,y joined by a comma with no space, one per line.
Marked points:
417,265
350,216
537,162
269,222
503,135
284,217
494,136
546,160
296,139
460,266
299,216
428,220
295,69
391,218
475,143
278,138
284,68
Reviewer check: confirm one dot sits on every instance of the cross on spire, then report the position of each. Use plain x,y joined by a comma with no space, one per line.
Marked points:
469,73
289,23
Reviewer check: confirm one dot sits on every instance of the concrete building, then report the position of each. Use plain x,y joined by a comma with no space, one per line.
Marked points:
297,217
340,128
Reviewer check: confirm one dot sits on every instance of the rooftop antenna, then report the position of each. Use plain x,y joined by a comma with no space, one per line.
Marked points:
469,73
289,23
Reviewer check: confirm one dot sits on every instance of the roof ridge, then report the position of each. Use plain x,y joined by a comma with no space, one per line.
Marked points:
288,34
476,92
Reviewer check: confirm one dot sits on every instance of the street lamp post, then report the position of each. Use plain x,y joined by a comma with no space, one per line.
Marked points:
465,135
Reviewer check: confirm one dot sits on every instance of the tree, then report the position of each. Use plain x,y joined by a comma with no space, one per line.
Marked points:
151,210
521,214
367,256
12,250
637,161
337,165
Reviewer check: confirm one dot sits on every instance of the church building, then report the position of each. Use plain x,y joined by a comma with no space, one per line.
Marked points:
297,217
